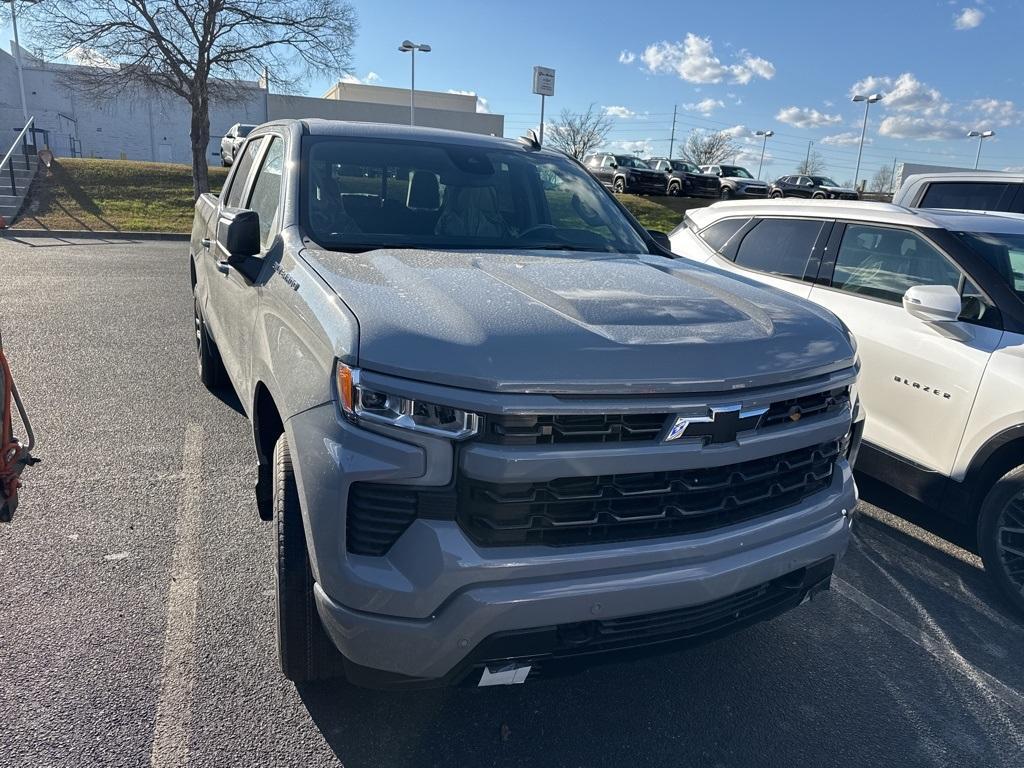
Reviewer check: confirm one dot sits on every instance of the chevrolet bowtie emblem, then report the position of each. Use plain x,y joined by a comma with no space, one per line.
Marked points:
721,424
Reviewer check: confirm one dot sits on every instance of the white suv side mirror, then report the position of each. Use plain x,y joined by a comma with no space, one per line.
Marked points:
933,303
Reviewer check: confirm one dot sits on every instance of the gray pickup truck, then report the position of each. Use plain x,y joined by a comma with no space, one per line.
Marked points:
499,429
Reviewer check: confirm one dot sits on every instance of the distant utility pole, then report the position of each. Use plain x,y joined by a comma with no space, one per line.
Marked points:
892,177
672,141
17,63
807,157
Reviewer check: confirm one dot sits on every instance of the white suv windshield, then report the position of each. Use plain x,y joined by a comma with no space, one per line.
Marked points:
360,194
1004,252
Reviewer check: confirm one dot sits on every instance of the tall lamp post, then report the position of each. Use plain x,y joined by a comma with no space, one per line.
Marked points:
868,101
17,62
408,46
764,143
981,136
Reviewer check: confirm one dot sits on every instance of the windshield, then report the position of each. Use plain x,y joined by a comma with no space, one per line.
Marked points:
735,170
823,181
631,162
360,194
1004,252
681,165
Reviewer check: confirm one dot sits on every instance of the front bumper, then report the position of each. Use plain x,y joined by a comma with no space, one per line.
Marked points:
424,609
751,192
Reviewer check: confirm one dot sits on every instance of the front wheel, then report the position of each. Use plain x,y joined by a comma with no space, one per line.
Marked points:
1001,535
818,196
725,194
619,185
777,195
303,648
674,189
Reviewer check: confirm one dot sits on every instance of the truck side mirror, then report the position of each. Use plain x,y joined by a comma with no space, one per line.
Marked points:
238,232
933,303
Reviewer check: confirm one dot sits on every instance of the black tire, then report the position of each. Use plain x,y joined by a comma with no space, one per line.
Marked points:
211,367
725,194
818,196
619,185
303,648
777,195
1001,536
675,189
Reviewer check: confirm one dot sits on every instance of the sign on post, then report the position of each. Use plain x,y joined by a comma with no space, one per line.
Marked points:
544,81
543,85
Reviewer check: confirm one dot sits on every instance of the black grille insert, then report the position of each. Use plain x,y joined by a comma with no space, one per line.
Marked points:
798,408
582,510
590,428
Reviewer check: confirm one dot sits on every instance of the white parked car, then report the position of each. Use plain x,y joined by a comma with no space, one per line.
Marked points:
966,190
935,299
232,142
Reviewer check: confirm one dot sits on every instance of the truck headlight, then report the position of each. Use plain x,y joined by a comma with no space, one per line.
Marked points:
361,404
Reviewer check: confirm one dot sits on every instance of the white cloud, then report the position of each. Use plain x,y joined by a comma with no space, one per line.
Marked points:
348,77
736,131
616,111
850,138
371,78
705,106
642,147
80,54
626,57
968,18
925,128
997,112
693,60
906,94
806,117
482,105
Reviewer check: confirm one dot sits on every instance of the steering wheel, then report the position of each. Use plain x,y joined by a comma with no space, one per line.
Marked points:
535,229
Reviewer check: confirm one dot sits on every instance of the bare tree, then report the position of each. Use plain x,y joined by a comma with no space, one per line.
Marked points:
881,180
194,49
812,164
577,133
704,148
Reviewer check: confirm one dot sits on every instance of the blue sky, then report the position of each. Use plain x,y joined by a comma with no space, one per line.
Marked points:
947,66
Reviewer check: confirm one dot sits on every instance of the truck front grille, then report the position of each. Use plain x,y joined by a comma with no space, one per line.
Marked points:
584,510
591,428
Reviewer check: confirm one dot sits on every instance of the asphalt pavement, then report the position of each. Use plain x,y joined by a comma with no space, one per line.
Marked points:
136,596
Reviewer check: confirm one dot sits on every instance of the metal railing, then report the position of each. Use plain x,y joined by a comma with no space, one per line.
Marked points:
8,160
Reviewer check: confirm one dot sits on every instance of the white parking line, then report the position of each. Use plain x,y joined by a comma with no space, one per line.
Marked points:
177,672
941,651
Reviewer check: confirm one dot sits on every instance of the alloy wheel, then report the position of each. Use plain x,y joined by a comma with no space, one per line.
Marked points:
1010,540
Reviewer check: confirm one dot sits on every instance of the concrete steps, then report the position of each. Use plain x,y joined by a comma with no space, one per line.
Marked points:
24,173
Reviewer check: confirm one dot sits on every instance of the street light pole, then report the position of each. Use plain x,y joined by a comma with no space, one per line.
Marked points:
981,136
868,101
17,62
764,143
408,46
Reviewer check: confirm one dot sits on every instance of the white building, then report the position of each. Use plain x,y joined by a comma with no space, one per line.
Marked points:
148,126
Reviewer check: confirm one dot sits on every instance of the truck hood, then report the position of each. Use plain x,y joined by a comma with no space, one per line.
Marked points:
564,322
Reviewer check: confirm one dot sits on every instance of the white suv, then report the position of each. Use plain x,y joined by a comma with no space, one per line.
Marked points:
935,299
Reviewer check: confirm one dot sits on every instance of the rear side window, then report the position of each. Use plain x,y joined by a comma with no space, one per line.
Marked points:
234,195
978,196
779,246
721,232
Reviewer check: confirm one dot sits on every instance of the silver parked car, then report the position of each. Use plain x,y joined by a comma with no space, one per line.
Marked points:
498,425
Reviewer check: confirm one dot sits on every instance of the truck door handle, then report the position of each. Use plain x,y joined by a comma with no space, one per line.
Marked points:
205,242
223,267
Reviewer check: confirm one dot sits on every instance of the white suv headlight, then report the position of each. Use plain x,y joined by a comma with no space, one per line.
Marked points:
359,403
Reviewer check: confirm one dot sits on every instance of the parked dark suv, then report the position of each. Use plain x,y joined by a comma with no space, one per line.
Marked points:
625,173
814,187
736,181
685,178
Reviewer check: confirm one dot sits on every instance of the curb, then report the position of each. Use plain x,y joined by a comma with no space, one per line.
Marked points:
92,234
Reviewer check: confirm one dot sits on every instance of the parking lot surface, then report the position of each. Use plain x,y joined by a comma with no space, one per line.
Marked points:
136,598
